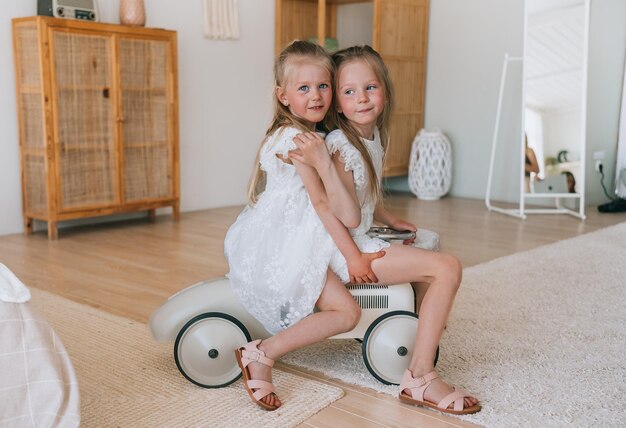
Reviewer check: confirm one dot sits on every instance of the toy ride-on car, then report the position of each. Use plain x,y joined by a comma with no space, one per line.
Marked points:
207,323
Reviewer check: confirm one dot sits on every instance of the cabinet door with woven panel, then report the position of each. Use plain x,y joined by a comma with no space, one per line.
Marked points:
86,154
300,20
401,38
147,110
31,124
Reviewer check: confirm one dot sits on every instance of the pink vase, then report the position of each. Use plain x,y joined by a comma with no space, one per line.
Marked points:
132,12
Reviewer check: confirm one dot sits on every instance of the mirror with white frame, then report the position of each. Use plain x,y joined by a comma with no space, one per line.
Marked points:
554,104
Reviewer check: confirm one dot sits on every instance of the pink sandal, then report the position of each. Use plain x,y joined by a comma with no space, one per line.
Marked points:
250,354
418,385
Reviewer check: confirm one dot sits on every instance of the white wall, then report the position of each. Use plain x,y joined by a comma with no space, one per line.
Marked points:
607,50
467,43
10,191
562,133
225,91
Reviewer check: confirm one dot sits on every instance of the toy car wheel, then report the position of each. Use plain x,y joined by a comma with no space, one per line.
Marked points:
204,349
388,346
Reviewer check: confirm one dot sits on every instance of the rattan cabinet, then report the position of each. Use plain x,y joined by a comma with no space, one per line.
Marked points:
98,119
397,29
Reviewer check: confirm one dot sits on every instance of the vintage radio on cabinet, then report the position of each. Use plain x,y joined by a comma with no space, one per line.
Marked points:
98,119
72,9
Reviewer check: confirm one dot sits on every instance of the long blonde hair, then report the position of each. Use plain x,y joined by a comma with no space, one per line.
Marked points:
375,62
297,53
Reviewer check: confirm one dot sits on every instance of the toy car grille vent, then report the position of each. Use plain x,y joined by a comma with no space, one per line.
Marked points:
368,287
372,302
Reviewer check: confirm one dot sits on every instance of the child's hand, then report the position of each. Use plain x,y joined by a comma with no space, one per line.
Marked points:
402,225
311,150
360,268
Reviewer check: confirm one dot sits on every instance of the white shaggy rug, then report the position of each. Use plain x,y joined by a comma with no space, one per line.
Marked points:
539,336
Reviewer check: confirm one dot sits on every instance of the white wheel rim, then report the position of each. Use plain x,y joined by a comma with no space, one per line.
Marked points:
217,336
385,340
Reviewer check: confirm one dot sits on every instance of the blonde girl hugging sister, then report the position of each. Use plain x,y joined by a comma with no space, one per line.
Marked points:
362,110
280,247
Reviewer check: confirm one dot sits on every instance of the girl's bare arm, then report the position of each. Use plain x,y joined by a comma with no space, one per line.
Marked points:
359,264
338,184
383,216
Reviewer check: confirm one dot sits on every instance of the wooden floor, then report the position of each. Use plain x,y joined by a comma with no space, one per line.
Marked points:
129,268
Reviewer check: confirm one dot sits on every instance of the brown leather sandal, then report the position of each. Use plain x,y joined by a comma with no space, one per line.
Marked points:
257,389
418,385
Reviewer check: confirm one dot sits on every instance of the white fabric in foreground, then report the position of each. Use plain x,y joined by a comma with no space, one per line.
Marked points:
12,290
38,387
221,19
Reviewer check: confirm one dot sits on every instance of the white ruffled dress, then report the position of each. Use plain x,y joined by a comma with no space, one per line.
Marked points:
278,250
353,161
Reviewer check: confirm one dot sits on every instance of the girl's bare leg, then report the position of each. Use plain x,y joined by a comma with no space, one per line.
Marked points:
442,273
338,313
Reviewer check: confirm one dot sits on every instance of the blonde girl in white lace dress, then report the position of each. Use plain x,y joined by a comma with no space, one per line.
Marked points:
363,105
280,247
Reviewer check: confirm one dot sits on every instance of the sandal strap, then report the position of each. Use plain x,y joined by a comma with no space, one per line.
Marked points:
457,396
417,385
263,388
251,353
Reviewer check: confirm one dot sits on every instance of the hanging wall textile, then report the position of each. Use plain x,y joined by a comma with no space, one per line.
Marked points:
221,19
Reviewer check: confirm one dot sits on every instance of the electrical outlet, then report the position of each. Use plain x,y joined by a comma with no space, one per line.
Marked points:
599,155
598,165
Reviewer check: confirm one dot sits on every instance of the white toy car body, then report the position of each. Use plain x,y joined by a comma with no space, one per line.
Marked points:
208,323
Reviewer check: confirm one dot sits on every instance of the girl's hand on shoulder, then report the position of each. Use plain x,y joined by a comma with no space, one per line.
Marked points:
402,225
311,150
360,268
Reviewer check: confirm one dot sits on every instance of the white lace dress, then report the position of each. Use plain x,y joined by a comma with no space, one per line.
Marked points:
353,161
278,250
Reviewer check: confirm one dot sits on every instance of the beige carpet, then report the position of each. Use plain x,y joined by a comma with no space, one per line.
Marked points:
128,380
539,336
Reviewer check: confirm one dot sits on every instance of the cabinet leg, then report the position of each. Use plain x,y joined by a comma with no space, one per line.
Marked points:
28,225
53,230
152,215
176,211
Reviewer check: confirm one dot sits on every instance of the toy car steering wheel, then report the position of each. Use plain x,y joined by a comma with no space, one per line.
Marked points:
389,234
